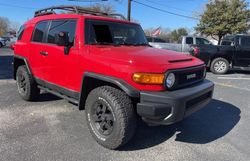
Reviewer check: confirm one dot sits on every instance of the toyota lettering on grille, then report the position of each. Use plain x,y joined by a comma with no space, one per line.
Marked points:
191,76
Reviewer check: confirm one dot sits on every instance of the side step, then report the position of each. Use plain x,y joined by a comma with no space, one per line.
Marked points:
72,100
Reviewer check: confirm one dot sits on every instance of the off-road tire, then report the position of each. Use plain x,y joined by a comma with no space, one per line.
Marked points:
217,62
31,92
1,45
122,110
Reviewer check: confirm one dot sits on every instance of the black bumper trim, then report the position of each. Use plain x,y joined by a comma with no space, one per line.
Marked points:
169,107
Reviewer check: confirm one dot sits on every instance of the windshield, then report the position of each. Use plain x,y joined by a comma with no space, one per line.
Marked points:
113,33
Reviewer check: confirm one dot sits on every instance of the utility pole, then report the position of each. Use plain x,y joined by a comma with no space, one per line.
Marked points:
129,9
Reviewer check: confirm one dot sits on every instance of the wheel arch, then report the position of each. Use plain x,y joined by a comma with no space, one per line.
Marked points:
91,81
228,58
18,61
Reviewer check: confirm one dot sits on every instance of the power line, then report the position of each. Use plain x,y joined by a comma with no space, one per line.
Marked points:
161,4
172,13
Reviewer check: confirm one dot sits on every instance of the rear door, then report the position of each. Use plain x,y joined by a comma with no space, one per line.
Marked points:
242,55
37,58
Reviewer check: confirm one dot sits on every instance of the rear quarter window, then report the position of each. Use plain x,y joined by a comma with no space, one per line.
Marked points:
20,32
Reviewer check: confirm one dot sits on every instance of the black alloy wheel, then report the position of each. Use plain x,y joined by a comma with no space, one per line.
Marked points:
102,118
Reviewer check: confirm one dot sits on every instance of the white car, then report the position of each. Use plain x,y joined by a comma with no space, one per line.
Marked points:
2,42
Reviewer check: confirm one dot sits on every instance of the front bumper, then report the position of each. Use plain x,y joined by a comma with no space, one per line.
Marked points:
169,107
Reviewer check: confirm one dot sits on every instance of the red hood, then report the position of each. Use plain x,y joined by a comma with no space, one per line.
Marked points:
144,55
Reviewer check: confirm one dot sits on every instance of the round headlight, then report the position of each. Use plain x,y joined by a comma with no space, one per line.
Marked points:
170,80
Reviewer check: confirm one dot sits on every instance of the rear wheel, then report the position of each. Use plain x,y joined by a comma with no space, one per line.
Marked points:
26,85
219,66
110,116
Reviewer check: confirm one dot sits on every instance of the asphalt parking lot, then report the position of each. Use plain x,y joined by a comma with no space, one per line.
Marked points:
53,129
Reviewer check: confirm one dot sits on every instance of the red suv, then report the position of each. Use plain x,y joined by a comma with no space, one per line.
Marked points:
105,66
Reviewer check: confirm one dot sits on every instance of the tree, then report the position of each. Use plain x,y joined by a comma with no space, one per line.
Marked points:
14,26
4,25
176,35
222,17
107,8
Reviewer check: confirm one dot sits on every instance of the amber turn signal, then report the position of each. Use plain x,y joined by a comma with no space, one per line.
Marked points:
148,78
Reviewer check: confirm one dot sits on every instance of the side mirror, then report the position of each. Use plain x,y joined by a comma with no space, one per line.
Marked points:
62,39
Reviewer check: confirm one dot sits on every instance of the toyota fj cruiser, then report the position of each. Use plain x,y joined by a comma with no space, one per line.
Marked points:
105,65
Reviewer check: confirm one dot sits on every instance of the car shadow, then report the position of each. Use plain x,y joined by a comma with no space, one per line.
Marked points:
207,125
234,71
6,67
45,97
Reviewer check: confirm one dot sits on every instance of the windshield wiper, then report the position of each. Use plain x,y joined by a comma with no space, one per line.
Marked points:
133,44
141,44
102,43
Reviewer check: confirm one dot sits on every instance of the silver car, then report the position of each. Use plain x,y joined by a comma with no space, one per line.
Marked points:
2,42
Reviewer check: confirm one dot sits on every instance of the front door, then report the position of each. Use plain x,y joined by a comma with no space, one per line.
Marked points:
242,55
62,69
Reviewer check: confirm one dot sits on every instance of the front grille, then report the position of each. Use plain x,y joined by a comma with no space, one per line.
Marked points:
188,76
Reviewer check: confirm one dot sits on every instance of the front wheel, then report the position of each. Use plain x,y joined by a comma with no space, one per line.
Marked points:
219,66
110,116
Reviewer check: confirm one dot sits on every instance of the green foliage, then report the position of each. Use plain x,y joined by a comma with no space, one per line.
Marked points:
176,35
223,17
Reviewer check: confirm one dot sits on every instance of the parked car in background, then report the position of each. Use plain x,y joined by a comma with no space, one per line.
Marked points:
182,46
233,52
155,40
9,40
2,42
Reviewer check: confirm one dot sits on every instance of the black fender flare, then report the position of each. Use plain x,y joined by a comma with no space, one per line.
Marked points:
128,89
16,63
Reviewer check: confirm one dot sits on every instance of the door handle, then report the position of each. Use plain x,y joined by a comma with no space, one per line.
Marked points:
44,53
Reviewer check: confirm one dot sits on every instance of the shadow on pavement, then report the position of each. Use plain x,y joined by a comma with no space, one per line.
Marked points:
6,67
234,71
45,97
207,125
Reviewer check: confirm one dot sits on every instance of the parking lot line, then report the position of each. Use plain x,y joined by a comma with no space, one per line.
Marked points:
231,86
233,78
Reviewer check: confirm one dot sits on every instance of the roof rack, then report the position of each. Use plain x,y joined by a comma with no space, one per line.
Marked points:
75,9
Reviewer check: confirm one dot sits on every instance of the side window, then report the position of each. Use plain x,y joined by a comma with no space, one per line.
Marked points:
226,42
189,40
20,32
68,26
245,41
201,41
39,31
